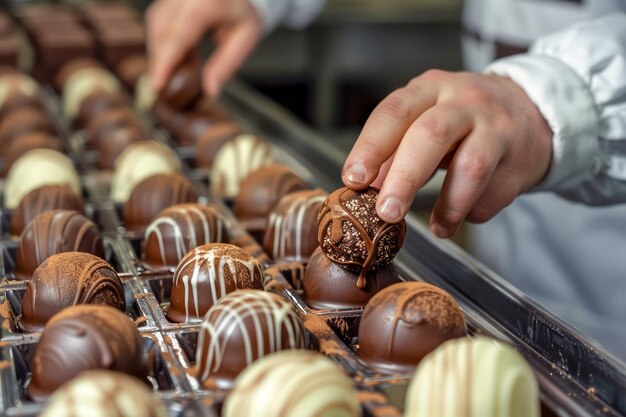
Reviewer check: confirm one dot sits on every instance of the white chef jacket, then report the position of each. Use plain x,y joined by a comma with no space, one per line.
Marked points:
567,248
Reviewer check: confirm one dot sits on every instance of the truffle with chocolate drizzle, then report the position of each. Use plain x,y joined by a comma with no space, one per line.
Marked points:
352,235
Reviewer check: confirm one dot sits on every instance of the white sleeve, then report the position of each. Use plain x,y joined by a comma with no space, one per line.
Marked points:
577,79
295,14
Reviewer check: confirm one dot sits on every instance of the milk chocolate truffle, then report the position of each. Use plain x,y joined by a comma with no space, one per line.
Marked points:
37,168
260,192
138,162
55,232
292,383
184,86
18,90
67,279
473,377
240,328
235,160
102,393
99,128
97,103
180,228
154,194
42,199
115,143
404,322
21,121
328,286
352,235
191,125
84,82
82,338
212,139
207,274
291,234
27,142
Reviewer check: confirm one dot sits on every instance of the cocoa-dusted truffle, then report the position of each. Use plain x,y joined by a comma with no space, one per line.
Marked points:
155,193
180,228
27,142
328,286
54,232
184,86
212,139
67,279
115,143
404,322
260,192
240,328
21,121
208,273
352,235
42,199
82,338
291,234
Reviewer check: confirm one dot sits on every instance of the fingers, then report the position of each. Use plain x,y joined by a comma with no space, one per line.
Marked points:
234,46
384,130
425,144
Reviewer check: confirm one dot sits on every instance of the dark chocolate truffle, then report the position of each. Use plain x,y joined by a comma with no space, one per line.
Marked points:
404,322
21,121
99,128
26,142
82,338
99,102
260,192
208,273
115,143
240,328
154,194
184,86
291,234
53,232
352,235
328,286
188,127
180,228
211,140
42,199
68,279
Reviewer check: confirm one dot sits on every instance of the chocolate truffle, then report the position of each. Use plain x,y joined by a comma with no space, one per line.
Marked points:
83,83
212,139
473,377
18,90
404,322
115,143
146,98
291,234
27,142
240,328
99,128
73,66
260,192
21,121
188,127
131,68
138,162
102,393
292,383
37,168
42,199
207,274
184,86
67,279
154,194
328,286
352,235
82,338
235,160
98,103
52,232
180,228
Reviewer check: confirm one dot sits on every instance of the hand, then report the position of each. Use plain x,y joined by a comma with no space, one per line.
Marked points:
484,129
174,27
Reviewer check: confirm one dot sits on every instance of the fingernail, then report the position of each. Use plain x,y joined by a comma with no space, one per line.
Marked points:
439,231
355,174
391,209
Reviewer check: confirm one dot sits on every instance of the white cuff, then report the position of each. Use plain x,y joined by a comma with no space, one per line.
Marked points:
566,103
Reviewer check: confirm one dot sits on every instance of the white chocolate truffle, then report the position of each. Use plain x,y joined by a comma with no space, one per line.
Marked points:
103,393
37,168
145,96
84,82
235,160
292,383
473,377
138,162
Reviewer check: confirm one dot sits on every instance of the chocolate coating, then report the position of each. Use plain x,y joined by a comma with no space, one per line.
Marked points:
18,90
26,142
328,286
206,274
291,234
82,338
154,194
99,102
211,140
72,67
21,121
180,228
41,200
187,127
404,322
131,68
240,328
67,279
116,142
107,122
54,232
260,191
352,235
184,86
